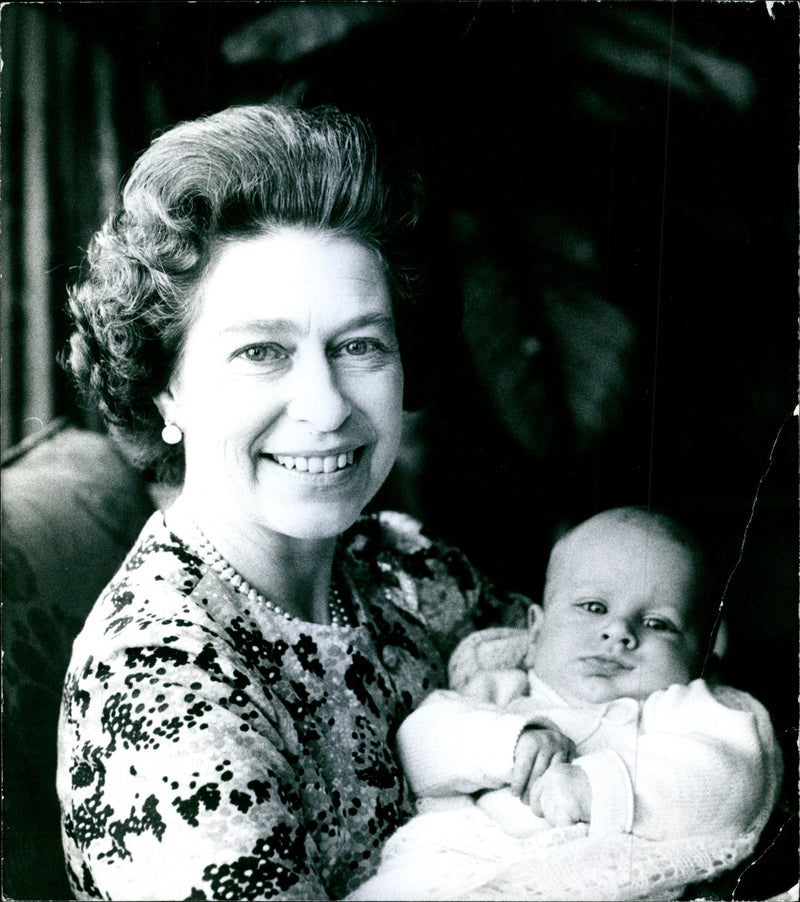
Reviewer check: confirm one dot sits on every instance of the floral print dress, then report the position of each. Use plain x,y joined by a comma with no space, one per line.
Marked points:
212,749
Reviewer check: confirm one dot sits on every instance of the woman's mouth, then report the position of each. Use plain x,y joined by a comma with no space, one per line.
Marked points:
329,463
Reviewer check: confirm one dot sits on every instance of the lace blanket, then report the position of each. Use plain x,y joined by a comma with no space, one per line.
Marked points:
464,854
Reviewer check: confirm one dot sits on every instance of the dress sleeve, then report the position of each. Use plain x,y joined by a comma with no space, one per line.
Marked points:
705,761
175,782
435,581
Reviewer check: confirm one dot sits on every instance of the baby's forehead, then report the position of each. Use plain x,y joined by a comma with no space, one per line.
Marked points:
608,552
613,535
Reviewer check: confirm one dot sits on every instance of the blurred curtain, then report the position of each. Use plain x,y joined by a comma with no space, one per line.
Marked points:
60,169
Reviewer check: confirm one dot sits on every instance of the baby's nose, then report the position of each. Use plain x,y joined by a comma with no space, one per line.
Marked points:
620,630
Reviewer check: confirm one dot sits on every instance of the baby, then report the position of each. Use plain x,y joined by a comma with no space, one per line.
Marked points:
536,783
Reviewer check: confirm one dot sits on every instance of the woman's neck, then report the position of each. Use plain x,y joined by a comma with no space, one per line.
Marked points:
293,573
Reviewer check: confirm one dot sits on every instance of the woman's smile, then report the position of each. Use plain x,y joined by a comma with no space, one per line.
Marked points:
311,464
319,470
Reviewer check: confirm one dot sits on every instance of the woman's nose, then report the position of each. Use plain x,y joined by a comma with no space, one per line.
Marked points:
316,397
620,630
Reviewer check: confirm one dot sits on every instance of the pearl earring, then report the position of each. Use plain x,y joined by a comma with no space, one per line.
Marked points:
171,433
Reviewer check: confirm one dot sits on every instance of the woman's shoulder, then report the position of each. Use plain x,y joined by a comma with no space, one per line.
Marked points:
151,589
159,561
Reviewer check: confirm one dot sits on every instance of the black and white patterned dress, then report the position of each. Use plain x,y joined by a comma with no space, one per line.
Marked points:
211,749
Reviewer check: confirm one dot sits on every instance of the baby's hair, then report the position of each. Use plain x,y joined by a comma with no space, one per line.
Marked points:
703,602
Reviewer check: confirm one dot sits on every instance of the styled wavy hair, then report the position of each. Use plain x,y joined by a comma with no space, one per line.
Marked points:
238,173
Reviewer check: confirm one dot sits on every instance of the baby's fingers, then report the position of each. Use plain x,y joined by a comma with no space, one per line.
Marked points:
534,798
536,750
544,759
562,796
524,758
559,812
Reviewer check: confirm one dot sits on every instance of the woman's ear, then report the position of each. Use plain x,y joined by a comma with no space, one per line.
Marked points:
165,402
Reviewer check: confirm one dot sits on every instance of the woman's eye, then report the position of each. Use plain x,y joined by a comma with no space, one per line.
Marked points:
261,353
359,347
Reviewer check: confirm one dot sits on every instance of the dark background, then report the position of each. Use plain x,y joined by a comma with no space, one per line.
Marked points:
611,243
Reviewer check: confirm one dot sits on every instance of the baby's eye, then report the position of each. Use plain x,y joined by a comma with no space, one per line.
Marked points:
593,607
261,353
659,624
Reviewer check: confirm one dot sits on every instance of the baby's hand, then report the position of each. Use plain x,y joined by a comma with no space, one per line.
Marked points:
538,748
563,795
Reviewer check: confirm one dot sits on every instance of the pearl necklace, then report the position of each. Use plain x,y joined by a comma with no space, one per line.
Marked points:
337,610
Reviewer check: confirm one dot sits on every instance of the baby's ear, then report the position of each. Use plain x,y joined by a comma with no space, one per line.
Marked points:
535,615
535,619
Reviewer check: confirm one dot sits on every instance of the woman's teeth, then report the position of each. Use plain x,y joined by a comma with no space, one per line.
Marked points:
315,464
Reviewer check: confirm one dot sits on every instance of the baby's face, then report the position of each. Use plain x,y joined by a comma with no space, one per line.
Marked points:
617,618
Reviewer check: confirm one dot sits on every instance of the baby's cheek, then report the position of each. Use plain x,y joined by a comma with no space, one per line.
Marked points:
671,667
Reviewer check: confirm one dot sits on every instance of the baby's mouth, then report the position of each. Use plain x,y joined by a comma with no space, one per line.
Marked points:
605,665
330,463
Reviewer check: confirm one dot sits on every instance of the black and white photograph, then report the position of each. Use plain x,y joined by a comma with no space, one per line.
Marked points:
400,450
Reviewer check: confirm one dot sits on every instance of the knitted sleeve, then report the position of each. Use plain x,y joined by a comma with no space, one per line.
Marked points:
453,744
705,762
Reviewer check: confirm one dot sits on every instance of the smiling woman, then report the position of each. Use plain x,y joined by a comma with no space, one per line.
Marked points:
229,712
289,396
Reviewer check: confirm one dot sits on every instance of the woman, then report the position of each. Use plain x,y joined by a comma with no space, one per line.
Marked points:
229,714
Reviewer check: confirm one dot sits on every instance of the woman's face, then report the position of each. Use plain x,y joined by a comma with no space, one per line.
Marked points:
289,388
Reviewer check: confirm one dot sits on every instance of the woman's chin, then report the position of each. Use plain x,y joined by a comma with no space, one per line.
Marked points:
313,522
